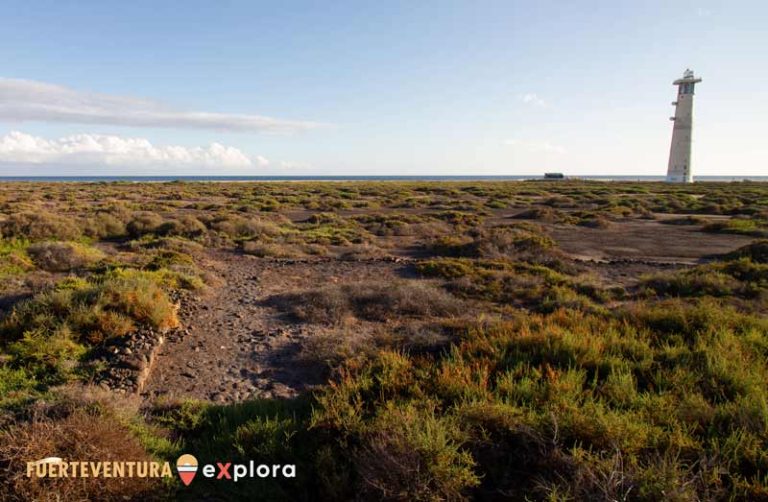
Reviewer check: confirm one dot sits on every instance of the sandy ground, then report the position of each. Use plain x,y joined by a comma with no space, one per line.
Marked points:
644,240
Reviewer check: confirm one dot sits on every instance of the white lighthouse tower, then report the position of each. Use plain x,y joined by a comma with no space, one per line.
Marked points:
679,168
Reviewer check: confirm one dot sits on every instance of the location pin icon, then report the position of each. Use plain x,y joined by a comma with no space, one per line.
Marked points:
186,465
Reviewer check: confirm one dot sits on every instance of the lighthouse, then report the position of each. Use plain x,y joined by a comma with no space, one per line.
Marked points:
679,168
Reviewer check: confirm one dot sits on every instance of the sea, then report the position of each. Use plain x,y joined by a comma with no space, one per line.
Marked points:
177,178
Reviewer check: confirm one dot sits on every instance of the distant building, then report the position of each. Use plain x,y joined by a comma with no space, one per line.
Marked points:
679,168
554,176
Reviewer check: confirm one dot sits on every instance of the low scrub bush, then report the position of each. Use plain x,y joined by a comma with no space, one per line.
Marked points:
545,214
686,220
63,256
595,221
565,405
738,226
105,226
242,227
403,225
414,454
170,244
184,226
144,222
14,259
525,242
499,242
461,219
756,251
736,278
330,229
50,331
369,301
520,284
40,225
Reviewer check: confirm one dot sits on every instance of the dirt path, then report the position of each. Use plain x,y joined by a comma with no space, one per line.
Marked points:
233,346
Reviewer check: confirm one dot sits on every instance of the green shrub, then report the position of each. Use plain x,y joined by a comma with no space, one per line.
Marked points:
51,355
569,403
140,297
737,226
14,260
92,311
738,278
413,454
692,283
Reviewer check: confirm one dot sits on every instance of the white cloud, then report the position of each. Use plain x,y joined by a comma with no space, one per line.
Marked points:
28,100
533,99
101,150
535,146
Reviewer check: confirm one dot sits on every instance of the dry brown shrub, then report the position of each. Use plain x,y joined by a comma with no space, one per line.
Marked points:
144,222
79,436
105,225
40,225
597,221
63,256
500,242
362,252
333,346
185,226
372,301
238,226
546,214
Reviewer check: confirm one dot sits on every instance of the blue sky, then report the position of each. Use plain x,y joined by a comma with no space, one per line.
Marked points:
427,87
